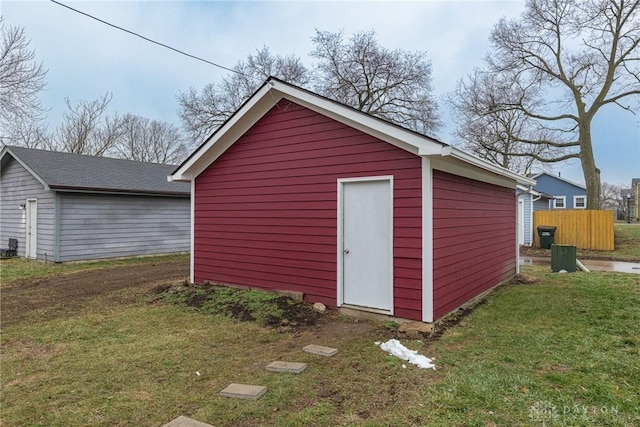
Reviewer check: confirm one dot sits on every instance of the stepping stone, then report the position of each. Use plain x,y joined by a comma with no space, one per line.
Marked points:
183,421
320,349
291,367
244,391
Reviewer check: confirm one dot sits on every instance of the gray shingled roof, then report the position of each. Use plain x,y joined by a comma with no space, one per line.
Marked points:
66,171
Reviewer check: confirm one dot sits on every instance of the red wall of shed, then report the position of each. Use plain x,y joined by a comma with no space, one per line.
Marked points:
474,239
266,210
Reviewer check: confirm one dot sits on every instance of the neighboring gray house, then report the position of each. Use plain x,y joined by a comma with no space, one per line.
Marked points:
69,207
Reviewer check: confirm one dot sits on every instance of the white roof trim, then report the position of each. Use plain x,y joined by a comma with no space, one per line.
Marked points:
274,90
486,165
194,165
527,190
7,151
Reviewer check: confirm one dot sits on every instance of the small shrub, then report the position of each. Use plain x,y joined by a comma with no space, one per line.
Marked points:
391,325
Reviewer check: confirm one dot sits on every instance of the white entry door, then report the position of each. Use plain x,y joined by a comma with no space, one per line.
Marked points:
31,229
367,243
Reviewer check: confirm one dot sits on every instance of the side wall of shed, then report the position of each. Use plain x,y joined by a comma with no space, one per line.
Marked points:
16,186
266,210
474,239
95,226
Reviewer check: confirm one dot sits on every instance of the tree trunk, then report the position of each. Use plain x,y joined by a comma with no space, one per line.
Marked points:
589,169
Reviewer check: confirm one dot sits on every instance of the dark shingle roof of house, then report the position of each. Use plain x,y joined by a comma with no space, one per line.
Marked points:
75,172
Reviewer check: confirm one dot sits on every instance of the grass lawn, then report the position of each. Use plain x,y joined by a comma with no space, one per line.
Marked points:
563,351
627,244
627,240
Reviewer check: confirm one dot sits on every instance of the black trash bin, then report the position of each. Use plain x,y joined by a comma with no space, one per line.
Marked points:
547,234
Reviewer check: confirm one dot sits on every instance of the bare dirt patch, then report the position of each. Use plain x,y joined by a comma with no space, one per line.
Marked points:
62,296
524,279
67,295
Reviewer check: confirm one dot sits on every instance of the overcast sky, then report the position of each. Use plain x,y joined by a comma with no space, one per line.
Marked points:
85,58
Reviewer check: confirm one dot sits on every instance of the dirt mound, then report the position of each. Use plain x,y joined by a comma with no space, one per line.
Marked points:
523,279
265,308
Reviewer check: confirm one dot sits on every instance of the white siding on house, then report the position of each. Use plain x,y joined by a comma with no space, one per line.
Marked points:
528,219
106,226
16,186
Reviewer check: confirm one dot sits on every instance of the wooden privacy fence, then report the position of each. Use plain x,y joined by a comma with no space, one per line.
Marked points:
585,229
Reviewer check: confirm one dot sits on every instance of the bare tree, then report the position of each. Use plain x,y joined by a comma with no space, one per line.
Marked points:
86,129
203,112
569,59
21,80
27,133
487,128
614,198
148,140
391,84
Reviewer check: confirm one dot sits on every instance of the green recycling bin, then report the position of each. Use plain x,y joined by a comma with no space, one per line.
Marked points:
547,234
563,257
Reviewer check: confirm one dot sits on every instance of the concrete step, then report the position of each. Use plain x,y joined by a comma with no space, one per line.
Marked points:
289,367
244,391
320,349
183,421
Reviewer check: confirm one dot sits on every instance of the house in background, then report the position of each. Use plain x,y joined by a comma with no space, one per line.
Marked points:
563,194
70,207
634,202
628,206
624,208
300,193
527,197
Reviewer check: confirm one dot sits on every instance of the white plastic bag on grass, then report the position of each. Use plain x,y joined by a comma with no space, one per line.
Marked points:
394,348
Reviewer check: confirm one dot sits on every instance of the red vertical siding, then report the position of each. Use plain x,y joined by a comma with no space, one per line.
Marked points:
266,210
474,239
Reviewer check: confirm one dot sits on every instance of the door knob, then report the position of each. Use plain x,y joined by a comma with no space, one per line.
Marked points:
346,251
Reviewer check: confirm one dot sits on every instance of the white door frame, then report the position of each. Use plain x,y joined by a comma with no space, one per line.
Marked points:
31,209
340,246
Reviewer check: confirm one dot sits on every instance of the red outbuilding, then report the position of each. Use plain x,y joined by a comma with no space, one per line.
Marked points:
300,193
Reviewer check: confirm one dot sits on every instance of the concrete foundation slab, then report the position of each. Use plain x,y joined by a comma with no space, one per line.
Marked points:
183,421
244,391
320,349
289,367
